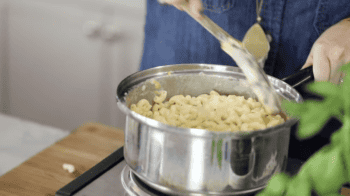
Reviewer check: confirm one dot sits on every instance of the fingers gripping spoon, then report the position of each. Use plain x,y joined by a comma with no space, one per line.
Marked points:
245,60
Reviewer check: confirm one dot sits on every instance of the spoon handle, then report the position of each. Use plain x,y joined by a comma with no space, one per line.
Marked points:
254,73
212,27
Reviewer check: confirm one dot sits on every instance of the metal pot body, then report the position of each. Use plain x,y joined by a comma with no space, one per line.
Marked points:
185,161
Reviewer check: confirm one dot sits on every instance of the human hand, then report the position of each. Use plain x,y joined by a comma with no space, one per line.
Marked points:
330,51
195,6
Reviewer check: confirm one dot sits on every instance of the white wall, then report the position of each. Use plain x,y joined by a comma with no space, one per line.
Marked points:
3,57
59,76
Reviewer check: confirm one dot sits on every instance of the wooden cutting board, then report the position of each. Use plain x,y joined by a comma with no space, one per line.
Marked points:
43,173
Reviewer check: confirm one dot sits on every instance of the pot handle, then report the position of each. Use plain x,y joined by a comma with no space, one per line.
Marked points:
301,77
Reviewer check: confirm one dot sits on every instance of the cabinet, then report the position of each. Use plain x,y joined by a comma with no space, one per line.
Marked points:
65,59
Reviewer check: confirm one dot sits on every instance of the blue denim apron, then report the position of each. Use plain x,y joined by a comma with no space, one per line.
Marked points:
173,37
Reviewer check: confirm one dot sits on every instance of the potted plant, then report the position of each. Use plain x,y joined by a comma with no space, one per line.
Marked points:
328,169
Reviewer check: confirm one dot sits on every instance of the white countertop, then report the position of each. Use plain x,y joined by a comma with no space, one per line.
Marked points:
21,139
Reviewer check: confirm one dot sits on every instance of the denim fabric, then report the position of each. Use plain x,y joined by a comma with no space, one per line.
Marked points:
173,37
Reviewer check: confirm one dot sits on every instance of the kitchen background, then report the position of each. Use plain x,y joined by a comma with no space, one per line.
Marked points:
60,64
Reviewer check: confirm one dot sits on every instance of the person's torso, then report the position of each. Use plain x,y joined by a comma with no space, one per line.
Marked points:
173,37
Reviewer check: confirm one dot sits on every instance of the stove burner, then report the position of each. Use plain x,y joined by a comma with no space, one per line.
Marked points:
101,180
134,186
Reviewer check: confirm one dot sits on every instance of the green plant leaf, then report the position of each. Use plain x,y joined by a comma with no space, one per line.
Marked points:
325,89
327,170
277,184
299,186
312,120
264,193
314,114
308,130
336,138
345,141
292,108
334,105
330,105
345,67
310,127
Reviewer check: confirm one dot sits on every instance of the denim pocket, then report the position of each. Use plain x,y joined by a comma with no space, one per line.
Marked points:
330,12
218,6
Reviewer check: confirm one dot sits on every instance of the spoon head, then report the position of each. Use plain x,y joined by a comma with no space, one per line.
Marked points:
257,44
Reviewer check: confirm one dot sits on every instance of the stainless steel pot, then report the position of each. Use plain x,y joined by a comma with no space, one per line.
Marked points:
184,161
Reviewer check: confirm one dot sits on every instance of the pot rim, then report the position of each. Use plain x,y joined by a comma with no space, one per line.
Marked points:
192,131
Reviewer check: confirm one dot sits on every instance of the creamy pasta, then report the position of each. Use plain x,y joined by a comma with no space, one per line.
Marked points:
213,112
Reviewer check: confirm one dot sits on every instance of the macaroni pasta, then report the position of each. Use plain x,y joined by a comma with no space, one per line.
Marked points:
213,112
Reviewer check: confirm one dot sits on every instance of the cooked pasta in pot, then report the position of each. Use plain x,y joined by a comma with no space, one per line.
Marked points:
213,112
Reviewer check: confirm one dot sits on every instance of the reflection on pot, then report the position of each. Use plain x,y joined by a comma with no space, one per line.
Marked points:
242,156
271,168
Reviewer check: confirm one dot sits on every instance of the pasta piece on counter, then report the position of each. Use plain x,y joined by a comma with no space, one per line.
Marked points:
68,167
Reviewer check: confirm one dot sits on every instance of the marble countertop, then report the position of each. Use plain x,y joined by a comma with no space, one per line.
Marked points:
21,139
